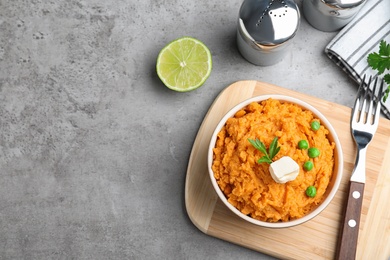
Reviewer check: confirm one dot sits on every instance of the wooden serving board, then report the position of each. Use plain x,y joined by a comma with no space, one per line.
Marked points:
317,238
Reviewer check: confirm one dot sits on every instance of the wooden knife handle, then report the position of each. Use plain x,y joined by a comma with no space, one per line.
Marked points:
347,243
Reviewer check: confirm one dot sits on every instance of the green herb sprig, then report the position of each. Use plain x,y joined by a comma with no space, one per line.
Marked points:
272,151
380,61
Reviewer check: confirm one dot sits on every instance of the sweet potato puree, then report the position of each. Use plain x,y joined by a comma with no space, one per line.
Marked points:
248,185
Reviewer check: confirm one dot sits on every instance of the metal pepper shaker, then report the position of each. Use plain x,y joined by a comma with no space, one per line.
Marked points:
265,29
330,15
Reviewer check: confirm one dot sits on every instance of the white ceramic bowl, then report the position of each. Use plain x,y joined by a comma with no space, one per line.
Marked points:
334,182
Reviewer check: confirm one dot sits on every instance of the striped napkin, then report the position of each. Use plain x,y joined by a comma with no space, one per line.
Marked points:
351,46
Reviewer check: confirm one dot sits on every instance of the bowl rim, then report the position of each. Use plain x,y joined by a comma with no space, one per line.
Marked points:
338,167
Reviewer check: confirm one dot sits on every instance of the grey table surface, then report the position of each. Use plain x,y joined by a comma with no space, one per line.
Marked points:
94,149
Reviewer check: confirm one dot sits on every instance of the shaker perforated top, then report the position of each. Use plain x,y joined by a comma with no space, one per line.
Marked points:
269,22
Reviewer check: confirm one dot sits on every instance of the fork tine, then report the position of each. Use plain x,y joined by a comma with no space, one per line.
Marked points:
363,98
356,107
373,101
378,103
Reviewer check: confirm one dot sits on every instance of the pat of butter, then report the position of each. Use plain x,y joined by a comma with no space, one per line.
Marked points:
283,170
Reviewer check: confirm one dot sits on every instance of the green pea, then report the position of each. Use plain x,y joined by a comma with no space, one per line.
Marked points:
313,152
303,144
311,191
308,165
315,125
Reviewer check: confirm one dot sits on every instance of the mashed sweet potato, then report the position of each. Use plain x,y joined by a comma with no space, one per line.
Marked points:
248,185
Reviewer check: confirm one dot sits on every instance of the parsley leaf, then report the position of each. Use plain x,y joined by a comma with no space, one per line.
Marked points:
272,151
380,61
273,148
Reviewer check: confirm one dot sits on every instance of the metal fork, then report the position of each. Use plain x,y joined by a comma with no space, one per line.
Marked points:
364,123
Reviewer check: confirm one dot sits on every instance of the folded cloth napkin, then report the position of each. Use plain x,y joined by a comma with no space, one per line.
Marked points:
351,46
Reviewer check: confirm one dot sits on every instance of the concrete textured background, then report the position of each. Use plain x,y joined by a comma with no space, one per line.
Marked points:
93,147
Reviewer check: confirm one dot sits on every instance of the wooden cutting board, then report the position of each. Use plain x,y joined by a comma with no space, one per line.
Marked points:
317,238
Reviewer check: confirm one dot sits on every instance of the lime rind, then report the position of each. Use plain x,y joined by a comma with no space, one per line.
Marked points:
184,64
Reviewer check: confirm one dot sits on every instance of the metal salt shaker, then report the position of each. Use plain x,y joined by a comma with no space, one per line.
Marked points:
265,29
330,15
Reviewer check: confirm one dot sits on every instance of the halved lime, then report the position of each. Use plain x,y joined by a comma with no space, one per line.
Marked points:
184,64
